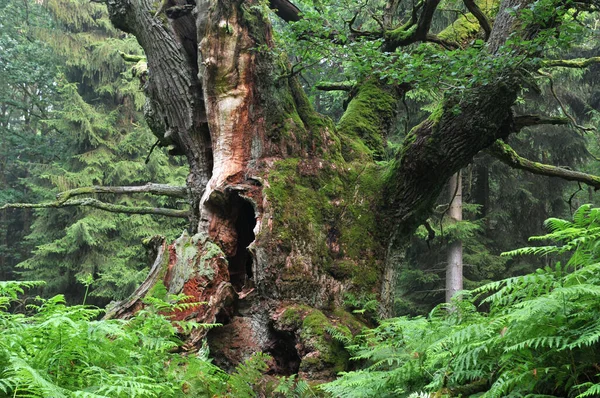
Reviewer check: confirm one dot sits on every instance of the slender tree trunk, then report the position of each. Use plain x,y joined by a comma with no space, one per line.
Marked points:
454,268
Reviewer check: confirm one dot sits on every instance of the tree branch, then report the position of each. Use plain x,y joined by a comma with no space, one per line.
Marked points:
336,86
481,18
571,63
414,30
447,44
154,189
117,310
537,120
562,106
285,10
507,155
95,203
132,57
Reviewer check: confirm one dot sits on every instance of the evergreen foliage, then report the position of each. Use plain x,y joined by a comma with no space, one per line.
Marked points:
81,125
539,337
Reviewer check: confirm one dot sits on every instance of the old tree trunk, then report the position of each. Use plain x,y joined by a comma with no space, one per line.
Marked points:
290,213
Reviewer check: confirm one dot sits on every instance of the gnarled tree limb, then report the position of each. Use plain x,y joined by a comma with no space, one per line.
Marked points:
95,203
154,189
507,155
117,310
481,18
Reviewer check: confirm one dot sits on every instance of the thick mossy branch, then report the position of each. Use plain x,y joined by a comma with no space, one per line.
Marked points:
462,30
571,63
368,117
132,57
507,155
95,203
467,26
151,188
336,86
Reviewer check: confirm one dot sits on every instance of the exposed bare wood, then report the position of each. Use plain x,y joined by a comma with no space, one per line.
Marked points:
158,245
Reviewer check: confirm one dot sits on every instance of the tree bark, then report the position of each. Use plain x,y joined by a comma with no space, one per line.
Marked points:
231,108
289,212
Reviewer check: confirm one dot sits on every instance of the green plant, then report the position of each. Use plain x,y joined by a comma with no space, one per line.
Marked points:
57,350
540,336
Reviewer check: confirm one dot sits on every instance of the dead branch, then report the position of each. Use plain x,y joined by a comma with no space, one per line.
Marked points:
538,120
95,203
562,106
151,188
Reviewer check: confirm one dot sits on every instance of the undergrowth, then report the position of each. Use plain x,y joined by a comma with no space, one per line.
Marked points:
55,350
534,335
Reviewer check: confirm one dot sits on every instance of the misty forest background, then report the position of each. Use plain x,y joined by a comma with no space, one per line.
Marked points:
71,116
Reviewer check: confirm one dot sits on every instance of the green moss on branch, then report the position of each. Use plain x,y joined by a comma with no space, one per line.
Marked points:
506,154
367,120
571,63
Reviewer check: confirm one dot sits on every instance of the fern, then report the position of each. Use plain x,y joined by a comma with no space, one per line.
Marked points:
540,337
63,351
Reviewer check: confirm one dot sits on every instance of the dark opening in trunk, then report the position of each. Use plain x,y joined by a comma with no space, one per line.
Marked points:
240,265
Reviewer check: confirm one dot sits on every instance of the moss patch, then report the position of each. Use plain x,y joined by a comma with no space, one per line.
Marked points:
366,121
329,353
462,30
326,212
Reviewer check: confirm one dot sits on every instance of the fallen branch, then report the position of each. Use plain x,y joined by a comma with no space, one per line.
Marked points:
507,155
151,188
95,203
